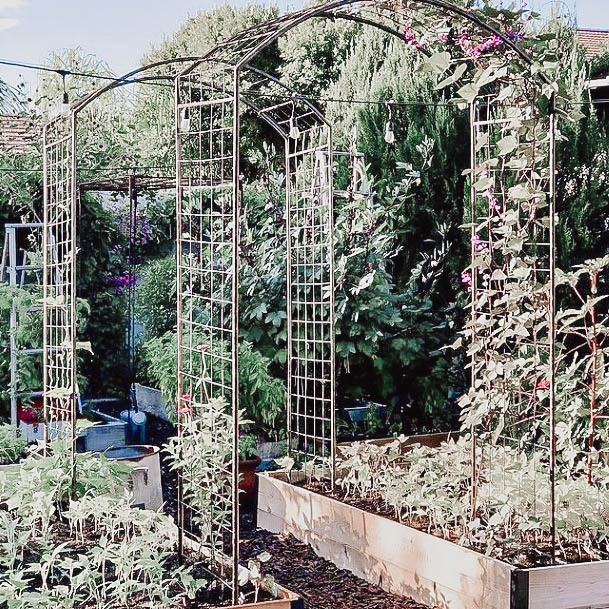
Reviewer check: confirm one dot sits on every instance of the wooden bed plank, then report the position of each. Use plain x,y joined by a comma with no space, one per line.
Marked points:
581,586
396,557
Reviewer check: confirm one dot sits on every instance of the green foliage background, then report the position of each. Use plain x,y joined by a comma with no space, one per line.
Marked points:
405,238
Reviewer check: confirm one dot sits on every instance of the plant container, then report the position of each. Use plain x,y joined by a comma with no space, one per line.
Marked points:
408,562
145,476
109,432
431,440
248,481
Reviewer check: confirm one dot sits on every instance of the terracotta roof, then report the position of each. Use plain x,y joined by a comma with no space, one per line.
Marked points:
595,42
18,134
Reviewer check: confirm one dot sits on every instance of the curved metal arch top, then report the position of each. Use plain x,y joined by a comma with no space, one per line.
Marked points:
240,50
389,16
136,76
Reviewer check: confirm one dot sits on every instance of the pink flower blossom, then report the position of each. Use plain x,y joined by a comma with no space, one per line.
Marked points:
184,408
492,200
471,49
479,245
466,278
410,38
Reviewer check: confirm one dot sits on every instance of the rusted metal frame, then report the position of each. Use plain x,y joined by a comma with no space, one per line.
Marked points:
552,321
323,10
127,79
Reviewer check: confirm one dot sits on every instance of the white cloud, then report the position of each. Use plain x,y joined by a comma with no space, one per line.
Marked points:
6,4
7,24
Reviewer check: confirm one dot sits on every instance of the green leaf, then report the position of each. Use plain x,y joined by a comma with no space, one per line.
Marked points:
437,64
507,144
468,92
453,78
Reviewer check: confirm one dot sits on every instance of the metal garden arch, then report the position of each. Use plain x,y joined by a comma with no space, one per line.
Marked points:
209,94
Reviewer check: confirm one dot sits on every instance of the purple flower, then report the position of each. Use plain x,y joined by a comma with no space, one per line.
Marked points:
410,38
122,281
475,50
492,200
514,36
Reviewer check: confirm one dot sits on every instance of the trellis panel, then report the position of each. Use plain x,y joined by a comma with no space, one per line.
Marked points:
512,285
311,338
208,221
59,276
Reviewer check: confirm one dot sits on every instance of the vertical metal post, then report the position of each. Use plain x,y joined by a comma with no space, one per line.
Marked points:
474,285
178,220
552,323
235,336
332,296
131,286
13,364
72,288
288,298
45,283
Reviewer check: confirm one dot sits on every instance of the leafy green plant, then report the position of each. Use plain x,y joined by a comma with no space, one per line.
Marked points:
12,444
429,488
27,334
260,581
248,444
156,297
262,396
202,455
122,554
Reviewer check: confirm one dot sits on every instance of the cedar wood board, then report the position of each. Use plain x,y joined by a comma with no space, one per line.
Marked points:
412,563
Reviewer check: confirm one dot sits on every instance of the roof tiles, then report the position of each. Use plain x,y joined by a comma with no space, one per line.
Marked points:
595,42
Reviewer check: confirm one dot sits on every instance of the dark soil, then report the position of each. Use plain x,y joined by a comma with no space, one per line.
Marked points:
517,554
322,585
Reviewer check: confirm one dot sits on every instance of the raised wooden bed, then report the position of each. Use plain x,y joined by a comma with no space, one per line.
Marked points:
411,563
431,440
286,600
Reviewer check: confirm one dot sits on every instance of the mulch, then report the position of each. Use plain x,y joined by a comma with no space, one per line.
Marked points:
322,585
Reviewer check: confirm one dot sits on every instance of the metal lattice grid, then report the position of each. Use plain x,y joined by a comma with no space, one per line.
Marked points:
311,312
208,216
207,125
513,215
208,221
59,276
310,264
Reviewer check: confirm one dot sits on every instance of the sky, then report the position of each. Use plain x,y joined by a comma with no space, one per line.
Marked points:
121,31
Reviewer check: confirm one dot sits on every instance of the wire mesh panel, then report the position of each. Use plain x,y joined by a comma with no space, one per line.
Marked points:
311,412
207,210
59,277
512,284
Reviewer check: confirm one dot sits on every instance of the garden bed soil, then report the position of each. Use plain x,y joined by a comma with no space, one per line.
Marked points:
410,562
516,555
204,600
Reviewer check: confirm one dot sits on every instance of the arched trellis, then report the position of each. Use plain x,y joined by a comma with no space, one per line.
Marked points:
209,94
